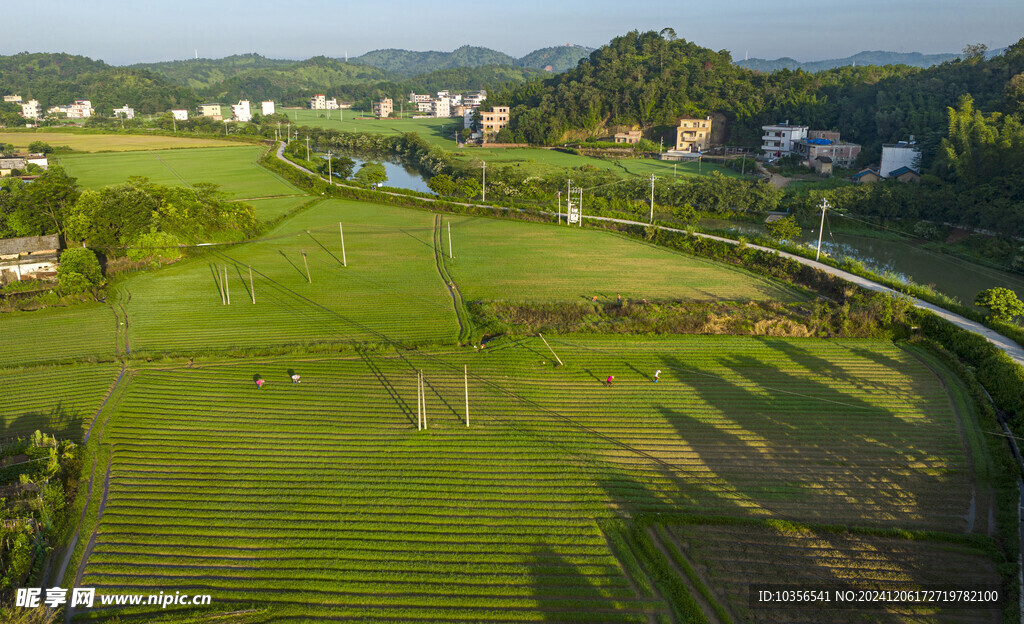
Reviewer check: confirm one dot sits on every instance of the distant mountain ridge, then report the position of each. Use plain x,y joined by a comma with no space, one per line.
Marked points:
410,63
867,57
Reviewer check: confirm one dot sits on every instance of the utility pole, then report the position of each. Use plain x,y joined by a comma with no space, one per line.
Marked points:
465,372
307,149
252,289
559,207
821,228
306,262
329,172
652,198
173,121
341,231
450,256
568,201
227,289
484,195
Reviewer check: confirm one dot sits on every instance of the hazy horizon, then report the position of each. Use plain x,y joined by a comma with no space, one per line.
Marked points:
798,29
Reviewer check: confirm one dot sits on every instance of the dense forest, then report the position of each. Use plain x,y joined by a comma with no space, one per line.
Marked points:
650,79
408,63
61,78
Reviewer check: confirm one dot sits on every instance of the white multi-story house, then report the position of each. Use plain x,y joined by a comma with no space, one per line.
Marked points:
241,112
125,111
320,102
30,109
415,98
267,107
425,107
81,109
441,107
778,140
475,98
179,114
899,155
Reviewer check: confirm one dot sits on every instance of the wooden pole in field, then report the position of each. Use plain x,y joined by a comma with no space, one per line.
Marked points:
220,286
551,350
306,262
341,231
423,393
227,289
450,256
419,403
252,289
465,372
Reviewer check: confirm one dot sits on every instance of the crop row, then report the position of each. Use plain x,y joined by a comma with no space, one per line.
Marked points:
55,399
57,334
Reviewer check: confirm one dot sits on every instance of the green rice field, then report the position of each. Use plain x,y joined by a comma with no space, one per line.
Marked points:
234,169
323,500
566,498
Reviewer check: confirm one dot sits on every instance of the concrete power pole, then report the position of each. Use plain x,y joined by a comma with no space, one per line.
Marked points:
652,198
484,185
821,228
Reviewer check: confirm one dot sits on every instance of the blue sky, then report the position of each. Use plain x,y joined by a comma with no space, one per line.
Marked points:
127,32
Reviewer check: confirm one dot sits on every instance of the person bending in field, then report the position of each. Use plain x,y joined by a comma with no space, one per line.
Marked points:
295,378
259,383
657,374
611,378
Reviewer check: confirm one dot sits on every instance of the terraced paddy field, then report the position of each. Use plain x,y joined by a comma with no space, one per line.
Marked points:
498,260
84,142
321,499
233,168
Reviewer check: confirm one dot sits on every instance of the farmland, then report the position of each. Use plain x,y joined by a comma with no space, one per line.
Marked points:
752,459
233,168
88,142
322,499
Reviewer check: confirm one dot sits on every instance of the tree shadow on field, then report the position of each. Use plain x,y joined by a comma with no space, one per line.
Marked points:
560,586
294,266
798,447
56,421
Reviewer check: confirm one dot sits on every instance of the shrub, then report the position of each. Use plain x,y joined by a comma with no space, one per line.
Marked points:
78,271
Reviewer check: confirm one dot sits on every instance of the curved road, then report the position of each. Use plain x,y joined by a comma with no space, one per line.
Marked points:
1011,348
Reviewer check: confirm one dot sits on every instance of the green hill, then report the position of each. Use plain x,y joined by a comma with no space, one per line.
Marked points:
203,73
57,78
294,83
560,58
409,63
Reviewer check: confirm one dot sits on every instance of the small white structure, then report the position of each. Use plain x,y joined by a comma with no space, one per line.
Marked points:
321,102
241,112
81,109
14,99
180,114
779,139
899,155
30,109
125,111
37,159
267,107
467,118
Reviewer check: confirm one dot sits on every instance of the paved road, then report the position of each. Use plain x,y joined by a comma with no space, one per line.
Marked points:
1010,347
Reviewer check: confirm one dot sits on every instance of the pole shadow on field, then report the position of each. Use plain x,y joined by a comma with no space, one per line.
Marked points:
390,389
443,400
216,279
297,269
244,279
326,249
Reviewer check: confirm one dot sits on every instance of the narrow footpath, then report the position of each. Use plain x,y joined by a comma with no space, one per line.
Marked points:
1011,348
